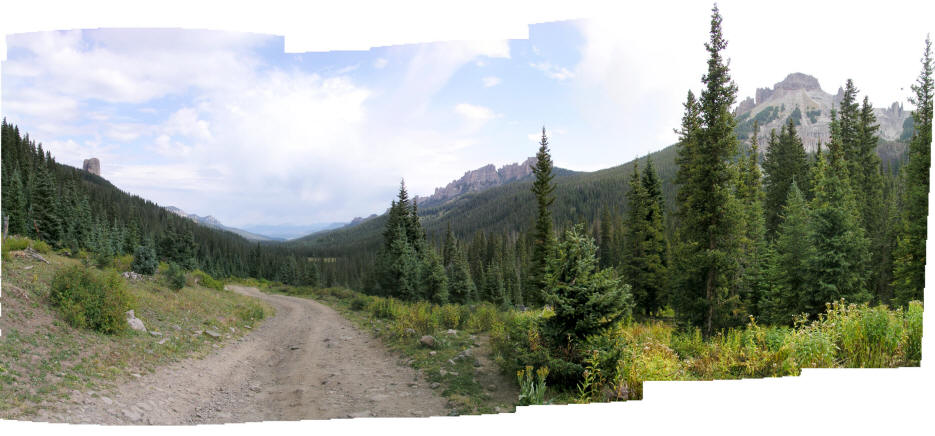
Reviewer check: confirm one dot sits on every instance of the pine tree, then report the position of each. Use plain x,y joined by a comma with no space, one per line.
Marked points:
544,239
839,262
461,287
45,207
909,258
644,246
448,251
434,281
785,160
868,187
15,207
708,212
787,272
586,299
753,242
607,238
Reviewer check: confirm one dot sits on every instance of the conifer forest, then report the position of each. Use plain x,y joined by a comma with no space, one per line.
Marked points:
735,252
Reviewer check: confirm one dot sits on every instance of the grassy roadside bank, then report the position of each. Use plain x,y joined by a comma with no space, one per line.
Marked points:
43,359
612,366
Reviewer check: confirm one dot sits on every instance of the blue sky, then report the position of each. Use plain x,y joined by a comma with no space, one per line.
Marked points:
230,125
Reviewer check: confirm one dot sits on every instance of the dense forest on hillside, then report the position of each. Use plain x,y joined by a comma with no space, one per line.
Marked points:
709,231
79,212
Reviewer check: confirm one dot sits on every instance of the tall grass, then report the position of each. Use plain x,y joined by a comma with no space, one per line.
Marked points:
614,364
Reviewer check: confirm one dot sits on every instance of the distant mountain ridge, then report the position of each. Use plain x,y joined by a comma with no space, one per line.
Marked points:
213,222
483,178
285,232
800,96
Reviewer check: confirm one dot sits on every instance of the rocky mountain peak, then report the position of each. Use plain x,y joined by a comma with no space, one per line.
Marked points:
799,97
796,81
92,165
480,179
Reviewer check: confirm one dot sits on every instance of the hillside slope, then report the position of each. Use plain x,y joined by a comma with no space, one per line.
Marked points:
580,197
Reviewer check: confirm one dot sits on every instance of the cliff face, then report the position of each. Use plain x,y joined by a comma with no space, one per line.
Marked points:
774,106
480,179
92,165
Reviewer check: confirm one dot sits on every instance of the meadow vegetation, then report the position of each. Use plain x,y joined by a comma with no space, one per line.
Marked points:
64,326
616,361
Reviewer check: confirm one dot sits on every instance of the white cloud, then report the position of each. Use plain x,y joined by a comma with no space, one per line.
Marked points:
432,65
130,66
474,112
553,71
491,81
380,63
185,122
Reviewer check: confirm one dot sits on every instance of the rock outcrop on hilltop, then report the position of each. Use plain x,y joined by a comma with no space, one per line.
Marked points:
480,179
800,96
92,165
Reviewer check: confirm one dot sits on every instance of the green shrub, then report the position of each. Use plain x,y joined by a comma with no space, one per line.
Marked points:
812,348
449,316
103,260
531,389
866,337
122,263
913,339
41,247
14,243
360,302
418,316
144,260
175,277
204,279
385,308
89,299
482,317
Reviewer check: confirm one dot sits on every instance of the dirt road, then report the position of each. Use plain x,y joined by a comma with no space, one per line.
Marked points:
306,362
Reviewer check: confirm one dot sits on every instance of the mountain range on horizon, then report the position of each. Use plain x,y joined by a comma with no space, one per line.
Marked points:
798,96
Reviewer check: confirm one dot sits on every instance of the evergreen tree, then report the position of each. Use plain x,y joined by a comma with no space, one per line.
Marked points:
868,189
840,250
461,287
607,237
448,251
45,208
909,258
586,299
435,281
544,239
708,212
750,280
644,255
15,206
785,160
787,273
144,260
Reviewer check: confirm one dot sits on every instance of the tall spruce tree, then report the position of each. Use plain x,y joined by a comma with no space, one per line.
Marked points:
460,285
787,286
644,255
750,280
45,207
543,239
909,258
785,160
838,267
868,190
708,210
607,238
